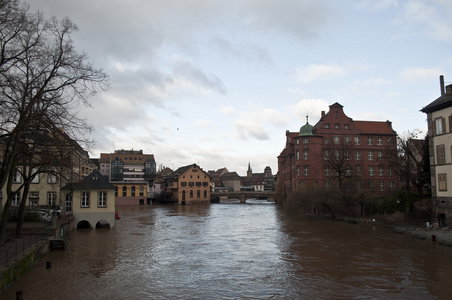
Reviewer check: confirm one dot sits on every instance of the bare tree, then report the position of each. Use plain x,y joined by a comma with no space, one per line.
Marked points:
338,158
42,80
410,160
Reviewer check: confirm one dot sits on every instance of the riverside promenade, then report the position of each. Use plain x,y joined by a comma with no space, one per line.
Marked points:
441,235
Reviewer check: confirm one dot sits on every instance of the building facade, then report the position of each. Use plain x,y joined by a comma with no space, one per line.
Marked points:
439,119
187,185
132,173
62,161
93,201
340,152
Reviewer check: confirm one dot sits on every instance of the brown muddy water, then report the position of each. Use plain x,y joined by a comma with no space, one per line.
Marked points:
238,251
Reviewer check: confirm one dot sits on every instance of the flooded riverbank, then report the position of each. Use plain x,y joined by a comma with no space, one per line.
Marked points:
238,251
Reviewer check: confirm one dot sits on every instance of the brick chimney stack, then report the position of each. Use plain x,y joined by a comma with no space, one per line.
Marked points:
441,84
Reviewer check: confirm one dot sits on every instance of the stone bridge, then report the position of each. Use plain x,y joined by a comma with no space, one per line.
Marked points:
241,195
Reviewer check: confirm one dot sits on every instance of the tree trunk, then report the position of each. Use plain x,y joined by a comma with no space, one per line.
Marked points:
21,214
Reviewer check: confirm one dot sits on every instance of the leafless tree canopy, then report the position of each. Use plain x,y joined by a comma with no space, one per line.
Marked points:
43,79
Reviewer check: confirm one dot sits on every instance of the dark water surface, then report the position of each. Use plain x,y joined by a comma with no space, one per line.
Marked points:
238,251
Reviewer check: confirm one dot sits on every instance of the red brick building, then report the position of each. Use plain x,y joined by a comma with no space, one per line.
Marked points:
340,152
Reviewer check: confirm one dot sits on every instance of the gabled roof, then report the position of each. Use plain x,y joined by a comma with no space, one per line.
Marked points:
95,180
184,169
374,127
444,101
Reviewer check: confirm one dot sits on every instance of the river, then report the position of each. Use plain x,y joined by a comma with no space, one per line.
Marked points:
238,251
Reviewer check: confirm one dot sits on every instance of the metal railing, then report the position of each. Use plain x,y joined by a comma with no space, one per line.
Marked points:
14,249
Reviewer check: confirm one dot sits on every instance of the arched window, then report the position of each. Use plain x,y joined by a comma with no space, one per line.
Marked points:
132,191
198,194
191,194
183,195
116,191
124,191
141,191
205,194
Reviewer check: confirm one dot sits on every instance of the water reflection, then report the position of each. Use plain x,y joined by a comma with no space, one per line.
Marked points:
237,251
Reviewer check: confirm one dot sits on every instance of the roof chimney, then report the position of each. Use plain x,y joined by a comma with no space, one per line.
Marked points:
323,113
441,83
449,89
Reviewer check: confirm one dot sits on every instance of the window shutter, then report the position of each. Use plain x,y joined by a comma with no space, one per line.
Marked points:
443,123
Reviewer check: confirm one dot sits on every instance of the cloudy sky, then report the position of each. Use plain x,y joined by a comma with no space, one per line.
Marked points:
218,83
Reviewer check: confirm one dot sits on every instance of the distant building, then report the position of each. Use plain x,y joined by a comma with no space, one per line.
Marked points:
132,173
340,152
439,119
187,185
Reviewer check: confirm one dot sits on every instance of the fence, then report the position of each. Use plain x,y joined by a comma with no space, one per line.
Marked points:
14,249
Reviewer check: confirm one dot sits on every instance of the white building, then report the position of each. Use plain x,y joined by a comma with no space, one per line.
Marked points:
439,118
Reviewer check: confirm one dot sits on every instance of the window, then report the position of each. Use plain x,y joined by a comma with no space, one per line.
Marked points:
132,191
358,170
381,171
51,198
380,141
327,125
371,171
298,142
205,194
346,126
370,141
306,170
326,155
298,170
390,171
439,125
183,183
391,185
327,170
191,184
389,141
337,155
36,177
380,155
198,194
305,155
298,155
51,178
305,141
85,199
336,125
347,140
191,194
337,140
141,191
116,191
198,183
348,171
381,186
327,141
440,155
124,191
34,198
372,186
370,155
347,155
357,140
442,182
358,155
68,202
102,199
16,199
17,176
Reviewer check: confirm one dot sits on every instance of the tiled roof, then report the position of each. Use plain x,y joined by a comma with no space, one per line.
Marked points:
374,127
